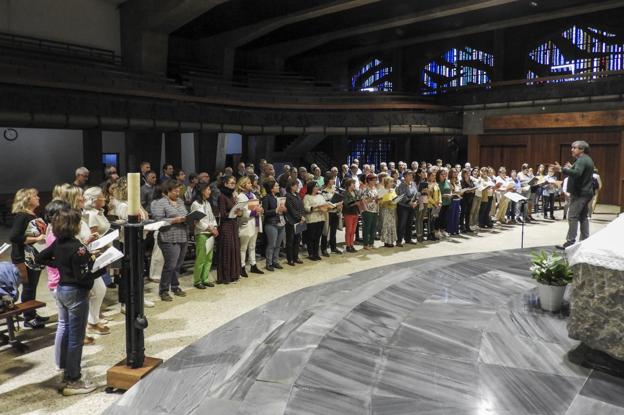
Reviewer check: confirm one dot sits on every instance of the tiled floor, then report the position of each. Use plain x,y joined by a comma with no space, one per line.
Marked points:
449,335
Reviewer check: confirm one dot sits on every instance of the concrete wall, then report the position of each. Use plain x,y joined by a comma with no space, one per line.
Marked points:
86,22
39,158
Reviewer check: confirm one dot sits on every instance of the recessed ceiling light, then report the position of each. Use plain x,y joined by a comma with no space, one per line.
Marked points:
533,4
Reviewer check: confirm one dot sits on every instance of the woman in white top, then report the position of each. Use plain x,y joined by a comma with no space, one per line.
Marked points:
93,216
248,226
315,208
205,234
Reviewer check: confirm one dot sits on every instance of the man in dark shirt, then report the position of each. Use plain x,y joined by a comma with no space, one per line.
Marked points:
167,172
147,191
580,187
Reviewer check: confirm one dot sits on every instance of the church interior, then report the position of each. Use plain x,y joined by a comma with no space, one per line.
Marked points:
451,324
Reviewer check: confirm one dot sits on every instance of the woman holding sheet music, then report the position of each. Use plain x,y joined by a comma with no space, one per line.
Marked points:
350,212
294,216
445,194
387,207
172,238
452,226
93,216
74,263
248,225
370,197
468,192
205,234
27,230
315,208
228,243
273,223
328,240
406,208
434,203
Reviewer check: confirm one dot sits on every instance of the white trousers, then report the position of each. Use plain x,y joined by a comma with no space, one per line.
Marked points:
248,247
96,296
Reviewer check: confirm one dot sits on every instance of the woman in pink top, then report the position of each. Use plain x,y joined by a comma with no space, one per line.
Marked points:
50,210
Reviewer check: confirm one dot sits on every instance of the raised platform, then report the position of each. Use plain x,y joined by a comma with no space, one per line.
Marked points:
451,335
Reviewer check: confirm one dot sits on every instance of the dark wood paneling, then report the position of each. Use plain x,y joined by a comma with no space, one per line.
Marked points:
510,156
555,120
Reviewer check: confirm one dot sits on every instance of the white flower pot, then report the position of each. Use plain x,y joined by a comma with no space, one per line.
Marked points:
550,296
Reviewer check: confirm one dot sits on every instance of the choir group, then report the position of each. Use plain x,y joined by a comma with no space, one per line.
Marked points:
243,215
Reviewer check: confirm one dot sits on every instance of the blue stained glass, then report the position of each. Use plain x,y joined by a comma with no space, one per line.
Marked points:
456,69
365,80
606,54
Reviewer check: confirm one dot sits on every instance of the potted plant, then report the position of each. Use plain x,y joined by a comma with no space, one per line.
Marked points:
552,274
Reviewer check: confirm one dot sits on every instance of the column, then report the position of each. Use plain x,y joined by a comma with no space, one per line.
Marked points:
205,151
143,146
173,149
92,154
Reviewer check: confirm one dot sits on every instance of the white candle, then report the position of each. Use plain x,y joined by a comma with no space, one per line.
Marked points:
134,194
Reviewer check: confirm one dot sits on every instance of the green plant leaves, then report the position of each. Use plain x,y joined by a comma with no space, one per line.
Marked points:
550,269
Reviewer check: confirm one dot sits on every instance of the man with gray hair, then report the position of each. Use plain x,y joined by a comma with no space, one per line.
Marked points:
581,190
82,177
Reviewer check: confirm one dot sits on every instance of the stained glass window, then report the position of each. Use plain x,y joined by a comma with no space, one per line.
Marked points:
576,50
372,77
457,67
370,151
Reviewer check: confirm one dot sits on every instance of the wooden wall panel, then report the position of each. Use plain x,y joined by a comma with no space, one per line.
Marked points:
605,149
555,120
510,156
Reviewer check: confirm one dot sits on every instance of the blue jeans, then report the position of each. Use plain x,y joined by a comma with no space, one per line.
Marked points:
275,237
173,254
73,309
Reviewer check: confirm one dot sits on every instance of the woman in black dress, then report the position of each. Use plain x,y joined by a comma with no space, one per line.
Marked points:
228,244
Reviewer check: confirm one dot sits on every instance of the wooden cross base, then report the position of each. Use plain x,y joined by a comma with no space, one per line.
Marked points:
122,377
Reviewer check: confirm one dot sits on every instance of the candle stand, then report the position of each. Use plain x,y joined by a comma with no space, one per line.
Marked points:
136,365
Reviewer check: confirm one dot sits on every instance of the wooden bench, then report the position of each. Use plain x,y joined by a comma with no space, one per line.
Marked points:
9,316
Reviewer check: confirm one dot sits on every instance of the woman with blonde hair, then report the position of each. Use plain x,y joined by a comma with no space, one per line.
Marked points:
93,216
27,230
248,226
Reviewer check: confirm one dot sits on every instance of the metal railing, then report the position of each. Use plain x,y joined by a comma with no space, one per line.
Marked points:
59,48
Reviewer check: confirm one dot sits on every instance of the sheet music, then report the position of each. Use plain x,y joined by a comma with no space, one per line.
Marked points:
155,225
238,206
103,241
195,215
40,246
109,256
397,199
515,197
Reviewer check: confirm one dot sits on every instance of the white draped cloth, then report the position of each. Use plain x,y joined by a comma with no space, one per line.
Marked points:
604,249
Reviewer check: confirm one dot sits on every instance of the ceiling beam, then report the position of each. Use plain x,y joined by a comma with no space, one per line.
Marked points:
164,16
297,46
243,35
480,28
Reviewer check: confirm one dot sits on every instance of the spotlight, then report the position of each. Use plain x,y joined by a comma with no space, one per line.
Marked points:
533,4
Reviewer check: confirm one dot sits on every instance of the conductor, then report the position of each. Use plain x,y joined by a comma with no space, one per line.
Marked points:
580,187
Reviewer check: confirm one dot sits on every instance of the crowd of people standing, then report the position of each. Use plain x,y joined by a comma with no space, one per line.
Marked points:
249,213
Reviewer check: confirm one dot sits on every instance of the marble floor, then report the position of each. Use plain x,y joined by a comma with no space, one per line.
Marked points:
449,335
